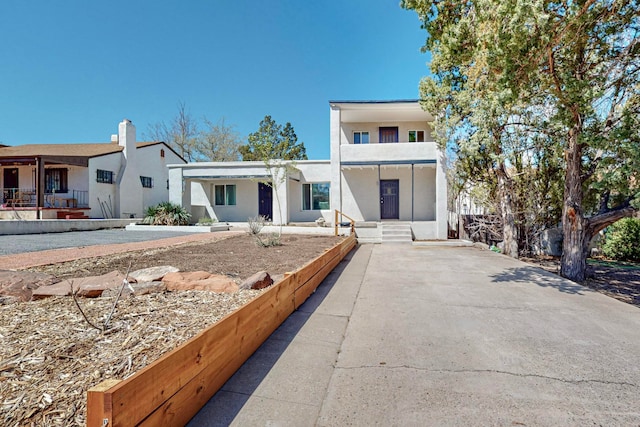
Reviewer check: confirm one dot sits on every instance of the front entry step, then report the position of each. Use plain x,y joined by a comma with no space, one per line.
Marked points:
396,233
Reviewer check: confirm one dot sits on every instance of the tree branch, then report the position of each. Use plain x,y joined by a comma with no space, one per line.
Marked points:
75,300
599,222
125,282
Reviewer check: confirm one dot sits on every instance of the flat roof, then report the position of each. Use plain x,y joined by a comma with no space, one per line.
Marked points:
379,101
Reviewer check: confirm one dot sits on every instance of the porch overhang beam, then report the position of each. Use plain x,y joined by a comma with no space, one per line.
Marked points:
28,160
227,177
67,160
389,162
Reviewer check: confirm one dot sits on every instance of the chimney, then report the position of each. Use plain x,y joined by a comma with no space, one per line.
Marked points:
127,138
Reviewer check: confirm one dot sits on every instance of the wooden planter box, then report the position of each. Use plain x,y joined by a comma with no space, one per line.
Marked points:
171,390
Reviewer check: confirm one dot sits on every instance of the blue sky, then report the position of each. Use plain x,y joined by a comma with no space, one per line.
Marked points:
72,69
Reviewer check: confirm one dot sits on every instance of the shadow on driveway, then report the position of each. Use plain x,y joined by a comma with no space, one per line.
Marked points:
540,277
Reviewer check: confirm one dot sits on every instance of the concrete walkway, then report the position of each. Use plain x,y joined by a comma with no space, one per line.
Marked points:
400,335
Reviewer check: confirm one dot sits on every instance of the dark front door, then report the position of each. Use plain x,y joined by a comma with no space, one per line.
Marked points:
389,199
388,134
11,184
265,201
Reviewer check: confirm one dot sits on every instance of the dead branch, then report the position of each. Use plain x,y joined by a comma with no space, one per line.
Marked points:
125,282
75,300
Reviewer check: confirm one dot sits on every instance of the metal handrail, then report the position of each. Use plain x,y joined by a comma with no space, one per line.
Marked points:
336,223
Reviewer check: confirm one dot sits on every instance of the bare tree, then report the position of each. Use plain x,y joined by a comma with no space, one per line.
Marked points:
181,133
195,143
219,142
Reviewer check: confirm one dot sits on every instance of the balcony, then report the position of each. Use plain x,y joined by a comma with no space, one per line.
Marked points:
399,152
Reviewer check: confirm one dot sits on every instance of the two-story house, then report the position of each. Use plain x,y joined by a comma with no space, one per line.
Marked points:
385,169
385,165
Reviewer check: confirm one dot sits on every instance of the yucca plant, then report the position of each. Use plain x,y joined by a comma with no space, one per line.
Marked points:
166,213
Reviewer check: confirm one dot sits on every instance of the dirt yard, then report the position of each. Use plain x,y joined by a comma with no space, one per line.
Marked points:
615,279
50,356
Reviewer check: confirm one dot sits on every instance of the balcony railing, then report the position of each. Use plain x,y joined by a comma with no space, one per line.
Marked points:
26,198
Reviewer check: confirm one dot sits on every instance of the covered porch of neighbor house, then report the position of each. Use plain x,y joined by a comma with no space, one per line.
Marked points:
230,199
43,187
226,191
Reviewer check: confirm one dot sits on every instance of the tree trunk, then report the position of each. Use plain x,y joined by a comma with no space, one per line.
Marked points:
575,228
509,228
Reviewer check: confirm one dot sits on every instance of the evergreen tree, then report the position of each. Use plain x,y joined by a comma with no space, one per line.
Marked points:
563,77
273,141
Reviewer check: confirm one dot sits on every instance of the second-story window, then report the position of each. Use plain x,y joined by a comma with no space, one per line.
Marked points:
360,137
146,181
416,136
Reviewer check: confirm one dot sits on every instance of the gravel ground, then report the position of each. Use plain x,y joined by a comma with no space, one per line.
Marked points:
16,244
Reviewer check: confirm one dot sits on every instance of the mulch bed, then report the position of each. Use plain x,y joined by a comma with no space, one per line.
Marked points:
50,356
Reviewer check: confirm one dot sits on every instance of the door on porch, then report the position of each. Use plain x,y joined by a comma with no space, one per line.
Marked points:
389,199
388,134
10,182
265,201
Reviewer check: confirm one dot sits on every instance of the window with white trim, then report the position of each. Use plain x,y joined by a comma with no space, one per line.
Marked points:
360,137
225,195
416,136
315,196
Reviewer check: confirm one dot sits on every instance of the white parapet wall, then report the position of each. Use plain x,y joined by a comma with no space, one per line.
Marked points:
8,227
178,228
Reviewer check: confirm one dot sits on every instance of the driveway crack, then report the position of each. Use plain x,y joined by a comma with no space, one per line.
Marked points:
492,371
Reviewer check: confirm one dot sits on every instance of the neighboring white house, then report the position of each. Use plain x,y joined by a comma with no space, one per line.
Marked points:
119,179
385,168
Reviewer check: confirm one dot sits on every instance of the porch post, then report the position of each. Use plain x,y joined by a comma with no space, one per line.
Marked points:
379,196
412,192
39,186
336,168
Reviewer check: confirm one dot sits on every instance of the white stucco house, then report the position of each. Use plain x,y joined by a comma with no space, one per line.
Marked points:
385,171
117,179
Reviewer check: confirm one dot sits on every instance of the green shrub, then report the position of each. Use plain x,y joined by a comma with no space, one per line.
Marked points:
268,240
622,240
166,213
205,220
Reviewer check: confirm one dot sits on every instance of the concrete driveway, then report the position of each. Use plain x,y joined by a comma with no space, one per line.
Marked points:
404,335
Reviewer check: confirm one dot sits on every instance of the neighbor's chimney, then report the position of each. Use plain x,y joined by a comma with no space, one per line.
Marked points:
127,138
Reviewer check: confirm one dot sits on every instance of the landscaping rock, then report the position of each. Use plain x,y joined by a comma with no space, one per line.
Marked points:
6,300
199,281
152,274
19,285
259,280
89,287
140,288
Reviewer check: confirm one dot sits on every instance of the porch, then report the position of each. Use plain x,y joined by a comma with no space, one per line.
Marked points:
26,198
22,203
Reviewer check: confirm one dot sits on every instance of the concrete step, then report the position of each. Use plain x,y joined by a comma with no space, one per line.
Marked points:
396,233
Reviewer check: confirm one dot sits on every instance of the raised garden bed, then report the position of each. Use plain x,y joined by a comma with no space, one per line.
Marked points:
171,390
